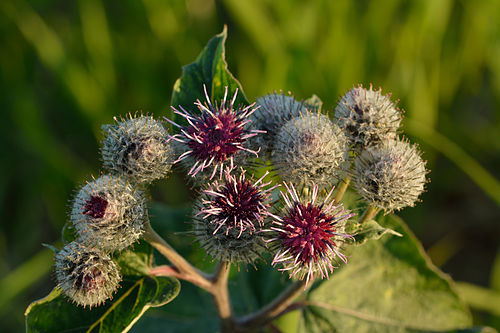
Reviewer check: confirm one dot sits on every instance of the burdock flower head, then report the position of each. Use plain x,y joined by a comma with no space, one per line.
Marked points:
215,136
309,235
273,112
310,149
368,117
230,216
86,275
391,176
137,147
109,213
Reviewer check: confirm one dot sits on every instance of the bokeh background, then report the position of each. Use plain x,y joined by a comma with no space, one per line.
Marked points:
66,67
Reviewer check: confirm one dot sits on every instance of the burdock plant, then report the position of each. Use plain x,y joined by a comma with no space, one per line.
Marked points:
263,174
310,234
214,136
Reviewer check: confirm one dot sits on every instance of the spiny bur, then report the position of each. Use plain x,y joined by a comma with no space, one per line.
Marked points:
273,111
309,234
214,136
391,176
367,117
86,275
310,149
109,213
138,147
230,215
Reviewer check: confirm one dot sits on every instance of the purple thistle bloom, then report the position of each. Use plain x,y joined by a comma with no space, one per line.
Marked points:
95,207
309,235
236,203
215,136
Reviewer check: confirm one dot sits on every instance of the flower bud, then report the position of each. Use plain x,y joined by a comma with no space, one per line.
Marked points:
273,112
233,245
109,213
86,275
390,176
310,149
368,117
235,203
214,137
309,234
229,216
137,147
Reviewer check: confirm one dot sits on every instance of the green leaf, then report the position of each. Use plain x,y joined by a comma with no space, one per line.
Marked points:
192,311
137,260
367,231
210,68
137,293
253,288
388,285
174,225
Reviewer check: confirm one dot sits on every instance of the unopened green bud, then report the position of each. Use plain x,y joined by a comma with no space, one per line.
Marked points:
310,149
390,176
137,147
86,275
273,112
367,117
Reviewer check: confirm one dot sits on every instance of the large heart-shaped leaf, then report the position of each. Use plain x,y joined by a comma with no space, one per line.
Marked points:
210,69
388,285
138,292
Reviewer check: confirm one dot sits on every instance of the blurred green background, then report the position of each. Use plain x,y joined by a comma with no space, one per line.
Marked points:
66,67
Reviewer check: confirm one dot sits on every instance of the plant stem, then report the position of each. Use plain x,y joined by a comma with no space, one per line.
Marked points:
369,214
185,269
216,285
344,184
220,294
274,309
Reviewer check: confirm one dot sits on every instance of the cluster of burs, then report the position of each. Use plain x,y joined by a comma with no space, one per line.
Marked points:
241,213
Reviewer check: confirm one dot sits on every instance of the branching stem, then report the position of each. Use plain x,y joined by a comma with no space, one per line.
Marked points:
274,309
216,285
220,294
185,270
369,214
341,188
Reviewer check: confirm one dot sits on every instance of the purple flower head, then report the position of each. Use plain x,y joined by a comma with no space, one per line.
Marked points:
236,203
214,136
309,235
95,207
